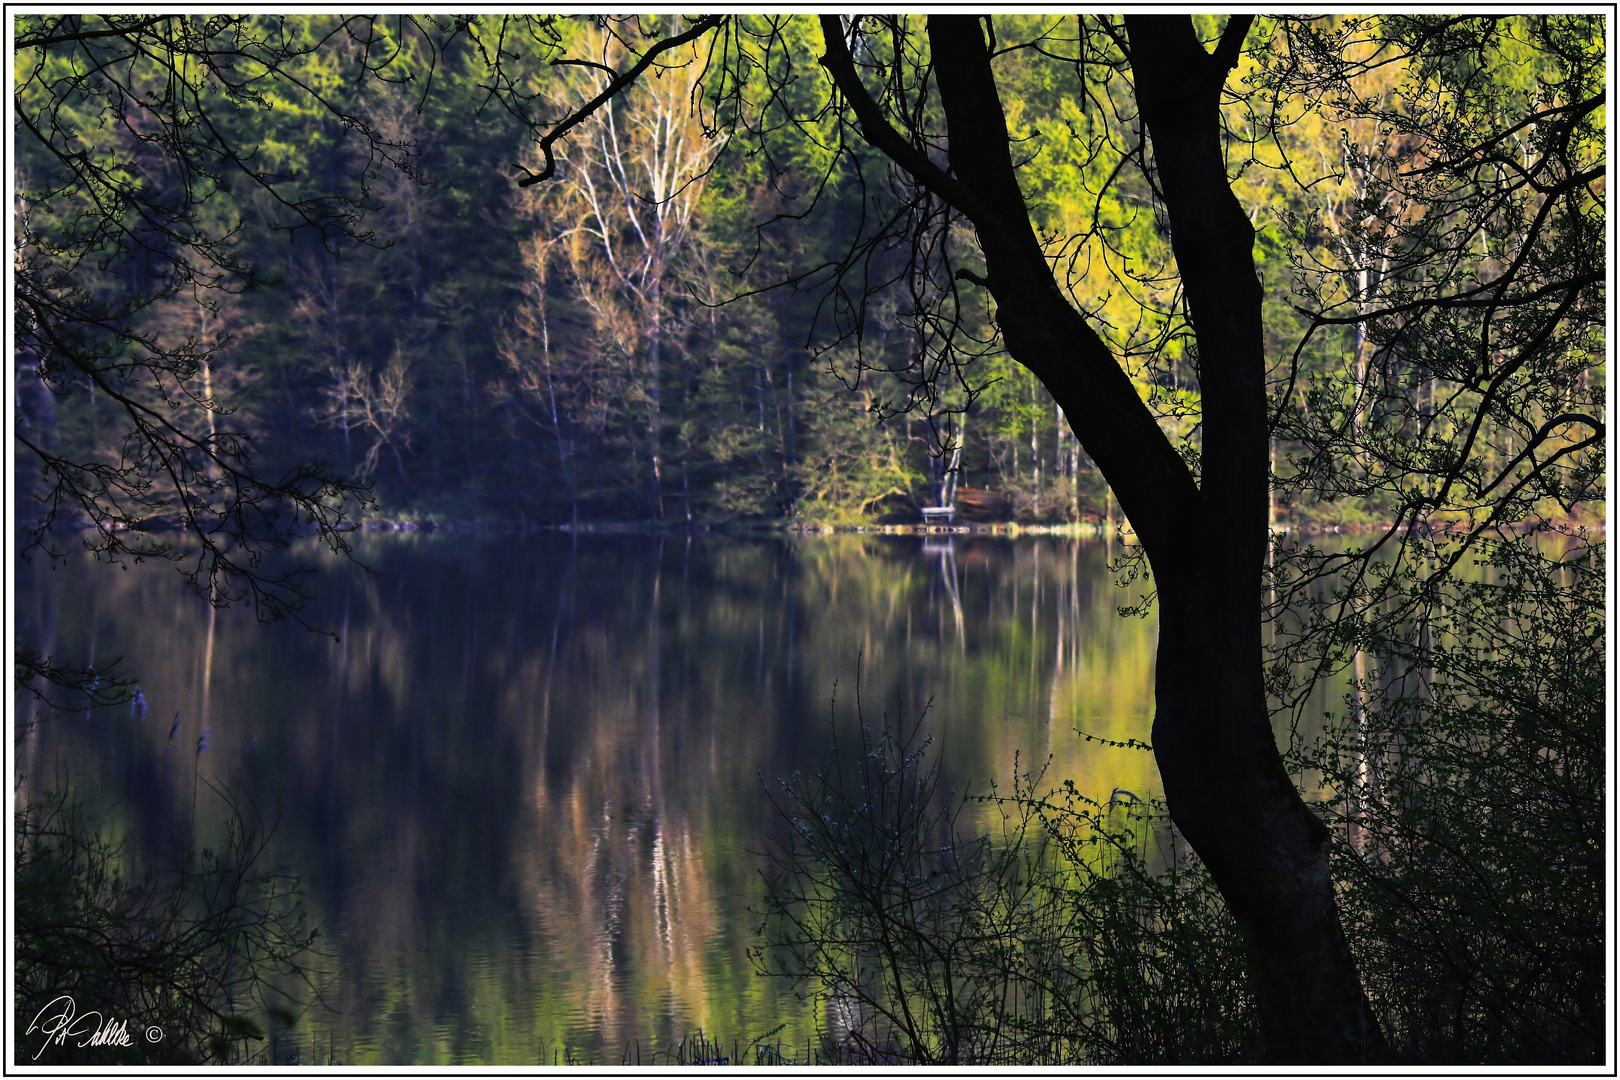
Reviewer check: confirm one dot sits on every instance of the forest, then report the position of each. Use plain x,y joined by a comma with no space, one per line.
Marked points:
650,336
1207,285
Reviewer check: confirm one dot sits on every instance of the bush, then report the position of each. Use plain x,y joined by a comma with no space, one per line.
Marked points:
1058,942
1466,790
202,952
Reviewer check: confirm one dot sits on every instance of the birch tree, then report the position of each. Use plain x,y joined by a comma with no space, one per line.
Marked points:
630,181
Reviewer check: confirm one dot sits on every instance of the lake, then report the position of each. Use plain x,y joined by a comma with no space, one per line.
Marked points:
524,786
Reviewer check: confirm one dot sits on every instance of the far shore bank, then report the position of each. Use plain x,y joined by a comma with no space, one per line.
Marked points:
973,528
1010,529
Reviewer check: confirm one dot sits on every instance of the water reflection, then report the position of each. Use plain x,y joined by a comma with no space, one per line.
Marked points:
523,784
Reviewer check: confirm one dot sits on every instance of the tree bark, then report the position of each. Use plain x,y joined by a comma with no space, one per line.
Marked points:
1206,539
1223,777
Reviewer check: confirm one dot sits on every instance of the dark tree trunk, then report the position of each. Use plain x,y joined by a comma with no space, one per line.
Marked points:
1224,780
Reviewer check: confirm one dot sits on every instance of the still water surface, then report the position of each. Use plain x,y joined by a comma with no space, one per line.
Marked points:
523,787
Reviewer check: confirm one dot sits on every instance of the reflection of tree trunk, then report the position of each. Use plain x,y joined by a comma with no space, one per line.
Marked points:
563,596
653,747
208,660
28,719
1108,524
953,591
1065,589
654,641
1034,611
339,708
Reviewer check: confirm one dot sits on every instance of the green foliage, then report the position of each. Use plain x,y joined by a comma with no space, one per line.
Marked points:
194,956
350,289
346,279
133,147
272,267
855,469
1447,254
1159,964
1070,936
1466,785
1465,788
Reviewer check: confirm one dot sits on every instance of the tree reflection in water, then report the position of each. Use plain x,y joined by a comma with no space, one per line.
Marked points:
523,785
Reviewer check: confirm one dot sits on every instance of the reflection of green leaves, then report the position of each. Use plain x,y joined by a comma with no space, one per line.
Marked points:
1070,932
591,740
1464,788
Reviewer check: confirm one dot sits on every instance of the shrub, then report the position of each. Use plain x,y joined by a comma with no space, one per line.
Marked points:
202,951
1466,788
1069,938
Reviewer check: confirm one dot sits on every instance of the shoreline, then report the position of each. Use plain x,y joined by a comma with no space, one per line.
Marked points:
1008,529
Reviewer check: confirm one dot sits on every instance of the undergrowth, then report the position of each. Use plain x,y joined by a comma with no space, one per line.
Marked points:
1465,789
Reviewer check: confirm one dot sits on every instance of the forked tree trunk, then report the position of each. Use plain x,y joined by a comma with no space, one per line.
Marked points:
1224,779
